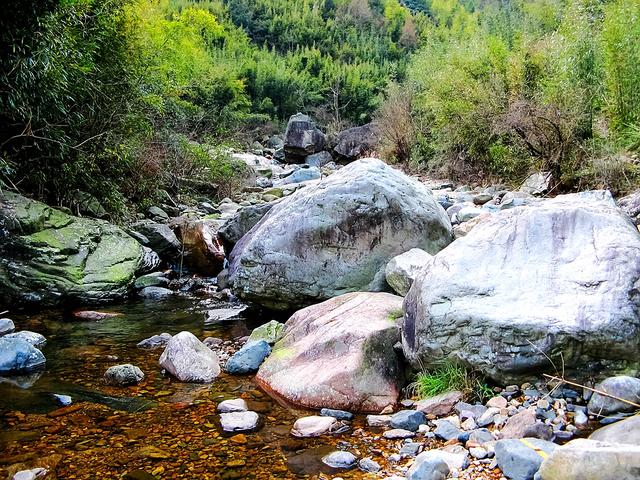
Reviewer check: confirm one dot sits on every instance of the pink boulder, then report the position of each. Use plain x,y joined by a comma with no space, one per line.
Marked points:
338,354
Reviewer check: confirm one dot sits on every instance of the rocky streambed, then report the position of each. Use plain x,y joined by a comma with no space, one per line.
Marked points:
378,275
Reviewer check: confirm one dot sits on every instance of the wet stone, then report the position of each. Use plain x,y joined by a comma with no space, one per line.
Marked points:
340,459
313,426
123,375
369,465
155,341
6,326
338,414
239,421
234,405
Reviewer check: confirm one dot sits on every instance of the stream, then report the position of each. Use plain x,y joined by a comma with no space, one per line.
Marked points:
160,428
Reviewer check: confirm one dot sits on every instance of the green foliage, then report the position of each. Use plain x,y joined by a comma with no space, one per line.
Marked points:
99,94
447,377
501,89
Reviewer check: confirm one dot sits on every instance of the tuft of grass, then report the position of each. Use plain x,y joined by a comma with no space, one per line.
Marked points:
395,314
446,377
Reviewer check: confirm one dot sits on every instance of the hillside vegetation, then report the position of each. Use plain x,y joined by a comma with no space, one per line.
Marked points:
122,99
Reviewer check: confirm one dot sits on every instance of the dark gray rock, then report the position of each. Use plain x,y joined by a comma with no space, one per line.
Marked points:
357,142
302,138
521,459
18,356
123,375
624,387
339,414
249,358
155,341
244,219
158,237
408,420
155,293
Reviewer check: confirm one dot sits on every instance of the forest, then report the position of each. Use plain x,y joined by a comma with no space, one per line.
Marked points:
124,99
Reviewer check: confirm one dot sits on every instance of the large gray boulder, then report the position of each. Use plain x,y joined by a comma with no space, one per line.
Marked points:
583,459
623,431
558,277
357,142
49,257
336,237
338,354
302,138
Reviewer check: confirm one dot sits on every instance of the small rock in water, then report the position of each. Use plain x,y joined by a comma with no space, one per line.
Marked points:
580,418
339,414
408,420
369,465
156,341
94,315
155,293
190,360
32,474
397,433
340,459
18,356
378,420
248,358
239,421
35,339
123,375
63,400
235,405
313,426
6,326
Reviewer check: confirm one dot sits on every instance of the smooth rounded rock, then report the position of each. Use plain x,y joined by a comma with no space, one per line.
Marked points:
234,405
313,426
189,360
557,276
249,358
18,356
123,375
36,339
340,460
6,326
625,387
239,421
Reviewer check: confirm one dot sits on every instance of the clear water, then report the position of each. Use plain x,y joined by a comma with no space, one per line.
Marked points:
107,435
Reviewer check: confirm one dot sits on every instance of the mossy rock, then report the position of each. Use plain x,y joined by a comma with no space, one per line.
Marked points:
50,257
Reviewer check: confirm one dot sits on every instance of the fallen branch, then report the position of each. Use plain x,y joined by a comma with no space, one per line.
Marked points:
595,390
6,311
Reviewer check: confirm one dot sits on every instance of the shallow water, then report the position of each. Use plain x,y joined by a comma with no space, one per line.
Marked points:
160,427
